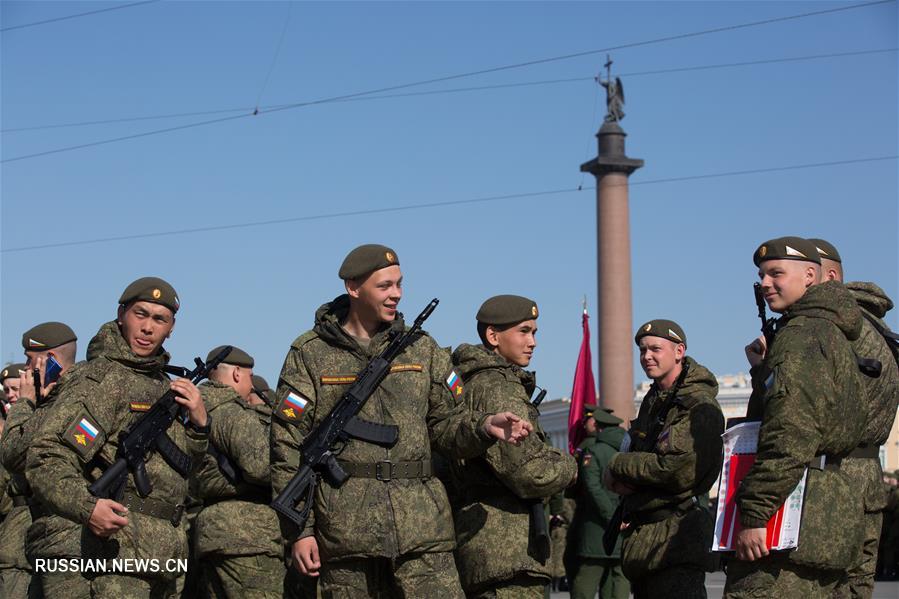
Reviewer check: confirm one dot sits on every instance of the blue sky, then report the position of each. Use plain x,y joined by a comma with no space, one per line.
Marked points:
257,287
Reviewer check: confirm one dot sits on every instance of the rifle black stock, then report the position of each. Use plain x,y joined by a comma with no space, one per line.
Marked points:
317,456
767,323
147,434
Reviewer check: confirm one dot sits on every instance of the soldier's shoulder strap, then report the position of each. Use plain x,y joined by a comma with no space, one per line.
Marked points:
303,339
891,338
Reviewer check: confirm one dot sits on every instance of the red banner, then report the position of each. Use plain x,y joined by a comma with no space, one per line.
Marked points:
584,390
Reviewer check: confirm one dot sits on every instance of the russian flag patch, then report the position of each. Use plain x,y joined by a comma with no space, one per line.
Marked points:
292,406
83,433
454,383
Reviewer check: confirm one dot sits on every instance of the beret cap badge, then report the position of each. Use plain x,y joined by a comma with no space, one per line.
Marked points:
157,294
648,327
534,311
390,257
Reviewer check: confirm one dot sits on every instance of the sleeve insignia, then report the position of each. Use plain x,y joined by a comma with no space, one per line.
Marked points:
140,406
454,383
291,407
664,442
338,379
82,434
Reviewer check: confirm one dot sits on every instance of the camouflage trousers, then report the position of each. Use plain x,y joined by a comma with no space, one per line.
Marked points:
427,575
108,586
17,584
523,586
602,573
774,576
859,580
239,576
683,583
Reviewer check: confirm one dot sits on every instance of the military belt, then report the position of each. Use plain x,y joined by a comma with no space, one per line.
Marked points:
386,470
865,451
825,462
155,508
662,513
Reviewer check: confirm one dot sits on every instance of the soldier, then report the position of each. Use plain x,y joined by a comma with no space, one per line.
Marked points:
261,393
807,391
595,505
497,554
123,377
388,528
46,341
9,377
237,533
882,391
673,457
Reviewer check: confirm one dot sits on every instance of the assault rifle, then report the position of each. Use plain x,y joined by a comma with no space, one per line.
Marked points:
768,324
317,452
147,434
538,513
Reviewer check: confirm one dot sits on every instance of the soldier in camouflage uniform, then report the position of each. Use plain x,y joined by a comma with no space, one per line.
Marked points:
497,553
882,391
237,534
39,342
671,456
77,440
388,529
807,390
597,568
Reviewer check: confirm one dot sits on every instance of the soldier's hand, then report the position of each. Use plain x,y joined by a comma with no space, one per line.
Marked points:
305,556
755,351
189,396
26,386
508,427
104,520
751,544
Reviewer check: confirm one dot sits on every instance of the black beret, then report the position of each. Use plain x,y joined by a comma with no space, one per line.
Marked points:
826,250
507,309
236,357
666,329
365,259
604,417
151,289
787,248
47,335
12,371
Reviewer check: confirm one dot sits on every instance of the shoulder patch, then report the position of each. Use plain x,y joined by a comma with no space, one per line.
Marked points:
406,368
454,383
83,434
292,407
337,379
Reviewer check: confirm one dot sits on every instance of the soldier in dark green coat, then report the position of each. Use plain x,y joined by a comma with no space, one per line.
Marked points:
237,538
77,440
388,529
672,458
497,551
595,505
882,394
807,390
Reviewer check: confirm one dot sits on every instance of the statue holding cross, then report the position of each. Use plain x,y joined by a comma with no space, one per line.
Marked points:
614,94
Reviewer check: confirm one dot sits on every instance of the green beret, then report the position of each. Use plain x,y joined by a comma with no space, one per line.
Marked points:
507,309
12,371
666,329
236,357
47,335
260,385
365,259
826,250
151,289
604,417
787,248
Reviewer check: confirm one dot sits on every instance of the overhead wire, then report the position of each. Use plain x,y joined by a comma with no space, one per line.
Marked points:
76,16
450,77
407,207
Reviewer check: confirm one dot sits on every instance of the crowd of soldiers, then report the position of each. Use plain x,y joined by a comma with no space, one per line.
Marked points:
444,483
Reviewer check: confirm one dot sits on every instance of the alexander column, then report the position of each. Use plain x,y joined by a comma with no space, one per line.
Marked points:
612,168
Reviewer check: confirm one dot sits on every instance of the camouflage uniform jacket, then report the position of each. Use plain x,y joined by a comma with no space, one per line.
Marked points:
114,389
366,517
685,459
492,520
236,518
809,399
12,455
